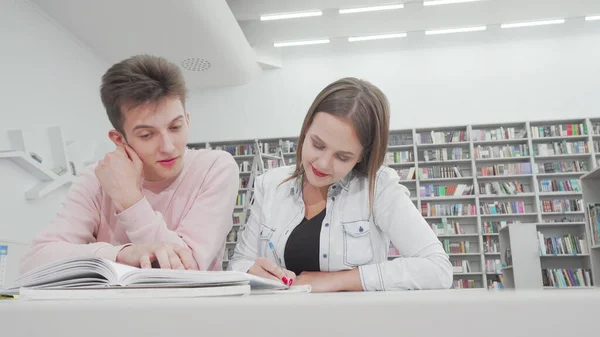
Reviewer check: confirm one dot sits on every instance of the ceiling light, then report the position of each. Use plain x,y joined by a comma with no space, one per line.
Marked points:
592,18
300,43
455,30
371,9
376,37
532,23
445,2
269,17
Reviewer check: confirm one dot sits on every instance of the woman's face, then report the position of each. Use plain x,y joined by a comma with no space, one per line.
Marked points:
330,151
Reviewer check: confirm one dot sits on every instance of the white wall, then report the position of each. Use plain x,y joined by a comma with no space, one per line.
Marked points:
514,80
48,79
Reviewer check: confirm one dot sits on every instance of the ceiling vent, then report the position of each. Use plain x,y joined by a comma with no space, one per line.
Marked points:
195,64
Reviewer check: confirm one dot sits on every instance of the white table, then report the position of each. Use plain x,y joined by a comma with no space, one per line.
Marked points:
418,313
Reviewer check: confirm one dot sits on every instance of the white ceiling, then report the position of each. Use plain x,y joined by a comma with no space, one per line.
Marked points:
178,29
230,35
414,18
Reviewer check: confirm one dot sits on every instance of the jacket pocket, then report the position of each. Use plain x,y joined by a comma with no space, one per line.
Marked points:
266,233
358,250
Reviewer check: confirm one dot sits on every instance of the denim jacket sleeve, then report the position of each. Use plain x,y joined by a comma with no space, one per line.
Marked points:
423,263
247,249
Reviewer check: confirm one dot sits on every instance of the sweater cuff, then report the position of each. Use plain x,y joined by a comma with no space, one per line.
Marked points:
110,252
140,214
370,277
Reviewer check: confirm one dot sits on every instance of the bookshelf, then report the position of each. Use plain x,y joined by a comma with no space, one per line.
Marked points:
470,181
591,197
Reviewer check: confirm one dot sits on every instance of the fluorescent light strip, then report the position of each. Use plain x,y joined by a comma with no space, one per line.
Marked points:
300,43
532,23
371,9
446,2
455,30
376,37
290,15
592,18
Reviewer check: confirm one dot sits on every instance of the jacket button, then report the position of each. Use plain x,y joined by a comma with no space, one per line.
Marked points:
334,186
325,256
327,224
333,198
360,229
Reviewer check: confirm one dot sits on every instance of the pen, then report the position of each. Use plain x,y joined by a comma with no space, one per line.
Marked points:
277,260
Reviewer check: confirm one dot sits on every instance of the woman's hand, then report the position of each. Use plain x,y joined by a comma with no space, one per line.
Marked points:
322,281
268,269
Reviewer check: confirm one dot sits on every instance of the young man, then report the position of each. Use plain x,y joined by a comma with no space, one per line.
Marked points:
152,200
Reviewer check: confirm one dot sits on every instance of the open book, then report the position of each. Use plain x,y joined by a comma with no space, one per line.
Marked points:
99,273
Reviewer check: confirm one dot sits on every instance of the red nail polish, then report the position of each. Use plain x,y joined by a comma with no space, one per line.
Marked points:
291,281
285,280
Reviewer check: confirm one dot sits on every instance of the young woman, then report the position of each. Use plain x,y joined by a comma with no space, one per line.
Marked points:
152,200
328,221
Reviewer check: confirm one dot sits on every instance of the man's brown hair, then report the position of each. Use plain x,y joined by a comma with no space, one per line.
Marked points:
139,80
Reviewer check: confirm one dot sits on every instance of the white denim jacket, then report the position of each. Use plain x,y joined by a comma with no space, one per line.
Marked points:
350,237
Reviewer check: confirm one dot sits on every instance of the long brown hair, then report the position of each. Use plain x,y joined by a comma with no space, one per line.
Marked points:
367,108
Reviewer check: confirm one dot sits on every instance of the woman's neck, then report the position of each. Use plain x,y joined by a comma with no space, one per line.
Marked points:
312,194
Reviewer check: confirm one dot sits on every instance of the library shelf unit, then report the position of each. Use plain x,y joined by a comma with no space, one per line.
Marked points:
469,181
50,178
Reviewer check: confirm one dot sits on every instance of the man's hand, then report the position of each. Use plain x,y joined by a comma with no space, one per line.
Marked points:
168,256
120,174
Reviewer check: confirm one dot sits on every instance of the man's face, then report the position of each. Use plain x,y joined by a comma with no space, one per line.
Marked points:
158,133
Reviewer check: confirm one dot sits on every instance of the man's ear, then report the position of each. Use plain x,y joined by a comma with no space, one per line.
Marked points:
116,137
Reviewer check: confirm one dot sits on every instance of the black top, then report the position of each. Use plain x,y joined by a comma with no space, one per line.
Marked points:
302,247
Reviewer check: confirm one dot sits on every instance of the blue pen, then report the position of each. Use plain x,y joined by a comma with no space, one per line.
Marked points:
277,260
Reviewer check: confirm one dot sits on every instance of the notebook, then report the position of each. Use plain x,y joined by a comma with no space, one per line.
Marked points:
99,273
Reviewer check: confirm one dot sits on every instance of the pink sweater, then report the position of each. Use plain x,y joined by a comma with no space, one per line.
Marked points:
195,208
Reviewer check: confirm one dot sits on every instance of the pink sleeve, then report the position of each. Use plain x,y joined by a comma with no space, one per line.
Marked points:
72,232
204,227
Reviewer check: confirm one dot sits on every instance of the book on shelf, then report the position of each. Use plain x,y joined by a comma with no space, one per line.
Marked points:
562,205
505,151
505,169
565,166
494,227
406,173
457,153
563,147
447,228
594,216
568,185
444,191
500,133
429,209
99,273
508,207
460,247
562,245
442,137
463,284
501,188
437,172
461,267
559,130
563,278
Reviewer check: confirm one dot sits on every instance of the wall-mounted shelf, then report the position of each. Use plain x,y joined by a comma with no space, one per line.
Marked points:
49,180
